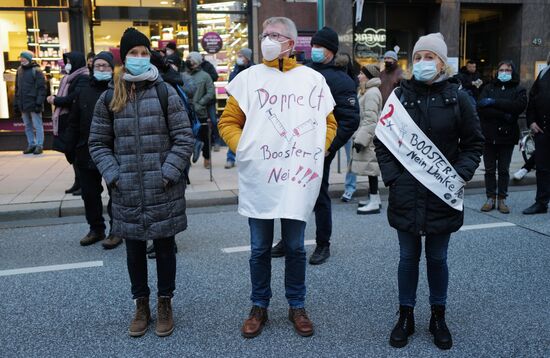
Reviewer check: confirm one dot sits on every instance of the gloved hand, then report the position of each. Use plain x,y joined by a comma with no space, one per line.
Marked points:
485,102
358,147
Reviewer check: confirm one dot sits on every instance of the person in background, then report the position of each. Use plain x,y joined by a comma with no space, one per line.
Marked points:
445,115
77,77
171,49
391,76
202,98
244,61
499,106
142,150
30,93
344,61
209,68
188,86
470,78
77,135
248,125
538,120
526,168
89,59
346,111
364,158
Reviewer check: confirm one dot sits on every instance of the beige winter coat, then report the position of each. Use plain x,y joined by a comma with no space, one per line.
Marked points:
364,162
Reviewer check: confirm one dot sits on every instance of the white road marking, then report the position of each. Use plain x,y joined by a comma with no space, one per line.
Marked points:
51,268
486,226
230,250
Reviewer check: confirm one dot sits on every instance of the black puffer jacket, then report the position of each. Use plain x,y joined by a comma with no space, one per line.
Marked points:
344,92
538,110
80,120
77,61
137,150
30,88
412,207
499,122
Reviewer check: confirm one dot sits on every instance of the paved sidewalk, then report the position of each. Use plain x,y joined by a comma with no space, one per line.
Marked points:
34,185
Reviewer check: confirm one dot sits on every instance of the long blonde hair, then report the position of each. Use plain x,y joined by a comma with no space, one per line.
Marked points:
120,95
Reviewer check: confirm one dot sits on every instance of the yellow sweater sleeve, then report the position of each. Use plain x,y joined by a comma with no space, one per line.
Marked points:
332,125
231,124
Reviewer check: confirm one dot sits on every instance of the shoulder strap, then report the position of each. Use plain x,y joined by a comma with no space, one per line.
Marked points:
162,93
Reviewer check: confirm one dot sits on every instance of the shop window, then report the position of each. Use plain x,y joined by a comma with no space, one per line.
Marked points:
142,3
33,3
221,5
46,35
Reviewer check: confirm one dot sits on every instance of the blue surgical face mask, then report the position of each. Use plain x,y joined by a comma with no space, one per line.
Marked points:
317,54
504,76
424,71
103,76
137,65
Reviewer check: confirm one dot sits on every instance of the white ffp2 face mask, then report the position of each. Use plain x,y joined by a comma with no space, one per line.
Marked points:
272,49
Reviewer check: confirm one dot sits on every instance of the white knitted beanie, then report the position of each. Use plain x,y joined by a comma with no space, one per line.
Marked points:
434,43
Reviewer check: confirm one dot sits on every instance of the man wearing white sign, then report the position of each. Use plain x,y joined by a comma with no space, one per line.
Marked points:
428,145
279,122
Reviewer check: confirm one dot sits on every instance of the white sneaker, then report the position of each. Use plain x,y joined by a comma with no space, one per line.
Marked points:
373,207
346,197
520,174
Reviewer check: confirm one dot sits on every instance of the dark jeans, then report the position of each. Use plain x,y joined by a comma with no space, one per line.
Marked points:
90,182
410,249
530,163
497,156
323,209
261,240
203,137
373,184
76,175
216,139
136,259
542,162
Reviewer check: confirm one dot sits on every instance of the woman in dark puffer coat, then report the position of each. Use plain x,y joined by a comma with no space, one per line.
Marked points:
500,104
142,152
447,117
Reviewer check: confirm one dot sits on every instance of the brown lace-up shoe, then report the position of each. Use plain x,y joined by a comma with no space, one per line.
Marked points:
91,238
255,322
302,323
489,205
111,242
502,207
165,320
141,320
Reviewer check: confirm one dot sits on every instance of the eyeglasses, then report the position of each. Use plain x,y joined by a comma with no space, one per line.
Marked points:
273,36
101,67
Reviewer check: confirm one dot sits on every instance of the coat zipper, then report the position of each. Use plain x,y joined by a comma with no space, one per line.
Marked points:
138,142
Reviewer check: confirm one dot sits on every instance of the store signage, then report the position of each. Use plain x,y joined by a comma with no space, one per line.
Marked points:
371,37
212,42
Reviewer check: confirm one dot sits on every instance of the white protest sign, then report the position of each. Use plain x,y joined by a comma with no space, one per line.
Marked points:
417,153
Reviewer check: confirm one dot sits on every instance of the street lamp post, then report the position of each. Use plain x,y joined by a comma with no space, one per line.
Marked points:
320,14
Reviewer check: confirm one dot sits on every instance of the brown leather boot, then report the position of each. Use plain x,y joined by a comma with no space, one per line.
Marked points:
302,323
255,322
141,320
91,238
111,242
165,320
489,204
502,207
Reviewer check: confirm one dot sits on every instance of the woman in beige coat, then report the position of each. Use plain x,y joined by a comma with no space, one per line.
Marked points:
363,160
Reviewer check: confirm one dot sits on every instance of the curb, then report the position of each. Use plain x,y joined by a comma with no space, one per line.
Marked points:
56,209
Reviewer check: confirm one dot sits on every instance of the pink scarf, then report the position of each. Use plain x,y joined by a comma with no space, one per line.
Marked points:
64,91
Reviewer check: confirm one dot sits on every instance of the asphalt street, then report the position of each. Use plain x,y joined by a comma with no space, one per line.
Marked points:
498,306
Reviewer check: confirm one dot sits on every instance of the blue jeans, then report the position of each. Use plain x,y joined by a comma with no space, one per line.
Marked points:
410,248
261,240
33,119
230,156
351,179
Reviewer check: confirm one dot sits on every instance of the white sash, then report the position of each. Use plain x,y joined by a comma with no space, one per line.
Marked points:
416,152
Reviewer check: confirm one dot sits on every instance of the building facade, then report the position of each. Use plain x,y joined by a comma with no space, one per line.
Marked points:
484,31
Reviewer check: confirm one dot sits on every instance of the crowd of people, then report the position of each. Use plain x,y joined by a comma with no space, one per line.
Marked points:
138,127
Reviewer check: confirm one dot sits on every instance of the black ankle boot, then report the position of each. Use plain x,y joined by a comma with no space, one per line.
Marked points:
404,327
438,327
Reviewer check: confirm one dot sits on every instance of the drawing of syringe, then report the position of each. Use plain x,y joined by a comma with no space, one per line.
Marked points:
279,127
305,127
